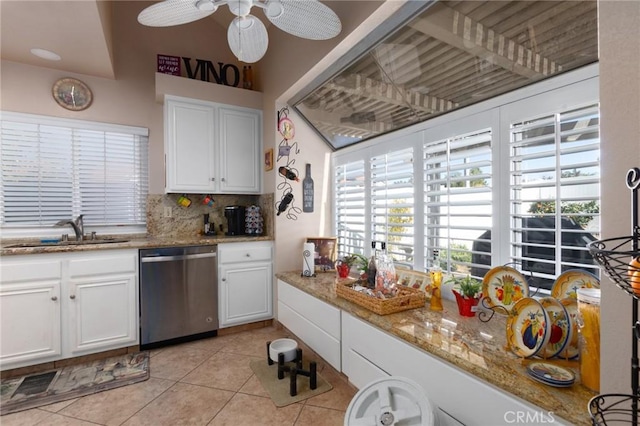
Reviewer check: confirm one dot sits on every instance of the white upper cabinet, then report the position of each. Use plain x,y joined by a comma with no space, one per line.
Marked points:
211,147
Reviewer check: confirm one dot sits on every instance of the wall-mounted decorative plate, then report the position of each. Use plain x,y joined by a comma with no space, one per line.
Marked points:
286,128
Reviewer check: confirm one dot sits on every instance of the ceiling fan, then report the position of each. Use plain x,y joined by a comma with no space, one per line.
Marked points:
247,35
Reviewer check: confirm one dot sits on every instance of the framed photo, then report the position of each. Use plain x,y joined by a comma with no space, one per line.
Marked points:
326,250
268,160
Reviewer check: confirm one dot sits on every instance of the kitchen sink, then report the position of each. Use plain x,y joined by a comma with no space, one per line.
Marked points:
67,243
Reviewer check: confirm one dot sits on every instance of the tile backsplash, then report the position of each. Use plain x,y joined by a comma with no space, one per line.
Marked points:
188,221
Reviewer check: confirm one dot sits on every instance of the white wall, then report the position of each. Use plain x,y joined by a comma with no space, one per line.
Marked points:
619,39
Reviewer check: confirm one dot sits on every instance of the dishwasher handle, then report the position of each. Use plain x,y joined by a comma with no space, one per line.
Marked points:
174,258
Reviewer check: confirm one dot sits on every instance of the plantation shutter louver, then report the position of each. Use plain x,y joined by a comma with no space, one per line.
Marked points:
350,207
458,199
555,161
392,198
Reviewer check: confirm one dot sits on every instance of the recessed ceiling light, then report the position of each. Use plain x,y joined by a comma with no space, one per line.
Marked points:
46,54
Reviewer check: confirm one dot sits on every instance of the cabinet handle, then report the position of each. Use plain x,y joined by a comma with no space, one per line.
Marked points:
248,254
73,296
223,179
54,298
213,179
224,279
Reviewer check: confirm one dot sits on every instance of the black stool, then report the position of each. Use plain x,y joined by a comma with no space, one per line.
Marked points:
295,370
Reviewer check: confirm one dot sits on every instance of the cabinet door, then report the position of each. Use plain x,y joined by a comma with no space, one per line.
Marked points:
102,313
190,146
30,323
245,293
240,150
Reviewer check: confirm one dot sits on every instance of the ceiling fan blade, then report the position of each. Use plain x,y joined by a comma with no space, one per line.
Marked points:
248,38
172,12
308,19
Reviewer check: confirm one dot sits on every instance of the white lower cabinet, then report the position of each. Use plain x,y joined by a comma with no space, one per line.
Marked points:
369,353
315,322
56,306
245,276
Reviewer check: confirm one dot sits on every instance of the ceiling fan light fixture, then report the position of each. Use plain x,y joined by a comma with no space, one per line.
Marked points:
206,6
274,10
240,7
248,39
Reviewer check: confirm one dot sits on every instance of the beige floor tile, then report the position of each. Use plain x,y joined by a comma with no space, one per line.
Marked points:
54,408
337,398
182,404
249,410
24,418
60,420
254,387
175,362
223,370
114,406
211,344
254,342
318,416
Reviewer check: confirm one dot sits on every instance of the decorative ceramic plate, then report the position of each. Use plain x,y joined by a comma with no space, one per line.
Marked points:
569,281
502,287
571,350
560,324
551,374
527,327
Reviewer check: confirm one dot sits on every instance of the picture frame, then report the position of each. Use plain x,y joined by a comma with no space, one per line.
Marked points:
268,160
325,253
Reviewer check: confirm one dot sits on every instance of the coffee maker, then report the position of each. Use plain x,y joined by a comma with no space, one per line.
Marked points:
235,216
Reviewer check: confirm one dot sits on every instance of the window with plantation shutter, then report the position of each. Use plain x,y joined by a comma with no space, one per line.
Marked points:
555,198
458,198
55,169
392,203
349,187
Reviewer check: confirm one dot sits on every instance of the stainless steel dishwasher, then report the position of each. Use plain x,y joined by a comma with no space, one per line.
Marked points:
178,294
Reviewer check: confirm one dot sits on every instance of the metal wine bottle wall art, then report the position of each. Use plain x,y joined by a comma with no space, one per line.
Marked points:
287,150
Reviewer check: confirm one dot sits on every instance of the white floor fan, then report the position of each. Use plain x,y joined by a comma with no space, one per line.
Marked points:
247,35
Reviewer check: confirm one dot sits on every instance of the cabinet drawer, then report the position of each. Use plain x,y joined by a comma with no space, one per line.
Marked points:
33,269
253,252
321,314
103,264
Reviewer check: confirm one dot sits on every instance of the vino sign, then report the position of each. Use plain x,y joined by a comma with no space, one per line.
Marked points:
219,73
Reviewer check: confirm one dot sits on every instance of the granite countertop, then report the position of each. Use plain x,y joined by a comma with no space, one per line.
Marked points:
127,242
478,348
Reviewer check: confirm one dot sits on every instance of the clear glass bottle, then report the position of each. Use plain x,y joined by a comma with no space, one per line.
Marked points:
385,272
371,268
435,273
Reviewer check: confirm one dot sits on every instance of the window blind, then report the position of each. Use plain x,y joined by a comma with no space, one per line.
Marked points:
458,200
56,169
555,199
350,203
392,203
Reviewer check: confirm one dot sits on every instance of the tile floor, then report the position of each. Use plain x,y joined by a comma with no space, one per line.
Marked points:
206,382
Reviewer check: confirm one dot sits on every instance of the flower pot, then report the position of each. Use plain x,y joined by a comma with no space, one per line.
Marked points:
465,304
343,270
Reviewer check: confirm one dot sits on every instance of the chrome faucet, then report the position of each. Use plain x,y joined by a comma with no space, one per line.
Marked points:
76,224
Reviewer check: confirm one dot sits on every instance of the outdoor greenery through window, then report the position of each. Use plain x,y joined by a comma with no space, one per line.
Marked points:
517,183
55,169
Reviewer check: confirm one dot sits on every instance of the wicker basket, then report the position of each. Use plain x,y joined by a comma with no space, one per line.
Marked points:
407,298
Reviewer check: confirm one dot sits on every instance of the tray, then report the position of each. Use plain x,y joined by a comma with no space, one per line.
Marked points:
407,298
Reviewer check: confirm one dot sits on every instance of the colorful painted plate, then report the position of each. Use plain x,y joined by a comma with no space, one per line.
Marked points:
527,327
569,281
560,324
502,287
551,374
571,350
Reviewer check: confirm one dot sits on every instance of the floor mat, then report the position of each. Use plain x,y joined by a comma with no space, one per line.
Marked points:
279,389
35,390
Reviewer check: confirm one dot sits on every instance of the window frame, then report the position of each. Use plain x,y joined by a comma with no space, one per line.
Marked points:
567,91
